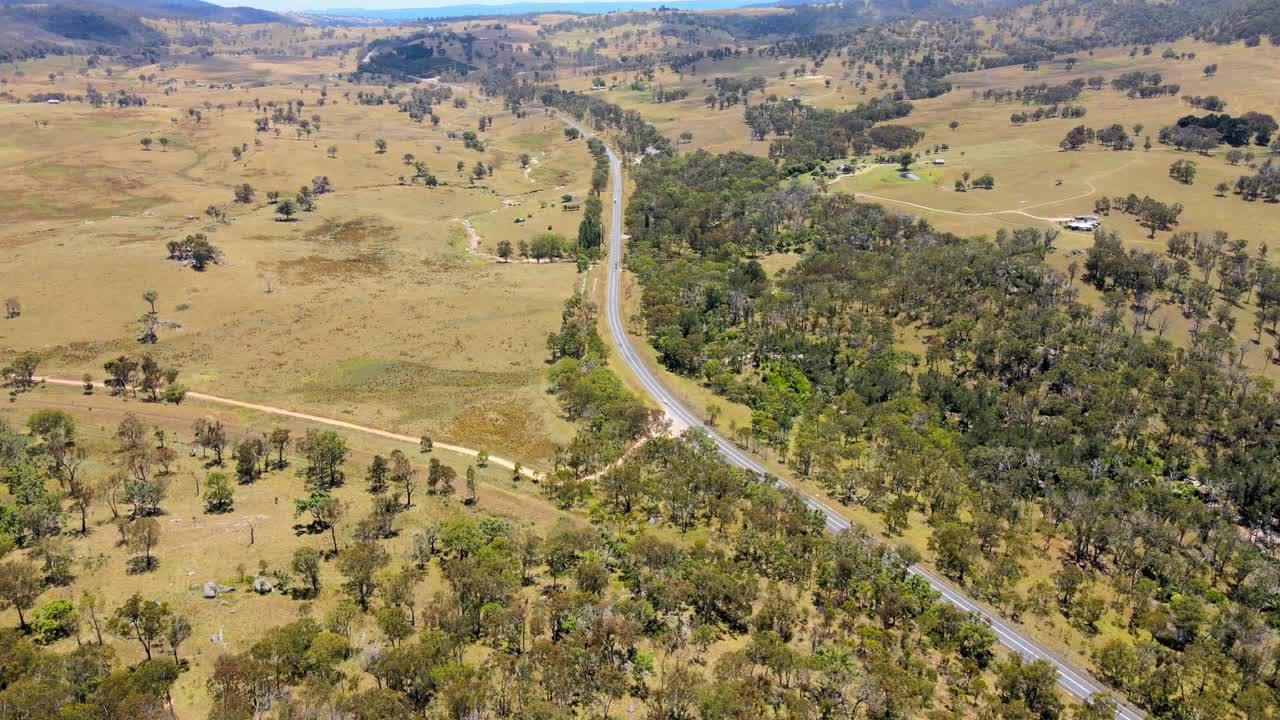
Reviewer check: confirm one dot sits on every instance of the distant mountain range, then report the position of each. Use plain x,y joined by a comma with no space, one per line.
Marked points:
526,8
192,10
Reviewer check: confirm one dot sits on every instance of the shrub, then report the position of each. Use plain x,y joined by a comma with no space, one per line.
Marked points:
54,620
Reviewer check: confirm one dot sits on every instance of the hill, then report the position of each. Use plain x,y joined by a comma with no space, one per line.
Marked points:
104,26
409,59
195,10
37,30
587,7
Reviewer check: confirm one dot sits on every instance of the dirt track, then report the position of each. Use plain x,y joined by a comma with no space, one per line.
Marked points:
273,410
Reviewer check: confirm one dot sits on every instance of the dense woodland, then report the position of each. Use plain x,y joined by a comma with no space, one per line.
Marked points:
696,590
1026,424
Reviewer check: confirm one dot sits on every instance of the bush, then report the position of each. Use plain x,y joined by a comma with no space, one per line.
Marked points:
54,620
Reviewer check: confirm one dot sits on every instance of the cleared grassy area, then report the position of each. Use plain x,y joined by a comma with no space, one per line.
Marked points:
380,278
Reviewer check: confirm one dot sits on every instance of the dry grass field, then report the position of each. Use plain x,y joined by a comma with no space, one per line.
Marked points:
374,309
378,310
1027,162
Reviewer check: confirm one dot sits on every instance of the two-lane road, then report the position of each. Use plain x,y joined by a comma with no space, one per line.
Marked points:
1075,682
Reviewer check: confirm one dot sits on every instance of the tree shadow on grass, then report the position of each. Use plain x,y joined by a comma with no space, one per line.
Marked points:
315,527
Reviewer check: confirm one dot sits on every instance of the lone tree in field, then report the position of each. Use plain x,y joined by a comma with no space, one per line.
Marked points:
1222,189
211,435
504,250
176,632
12,308
381,145
244,193
146,143
953,125
1184,171
150,296
141,538
403,476
286,209
82,494
218,494
164,144
306,564
326,511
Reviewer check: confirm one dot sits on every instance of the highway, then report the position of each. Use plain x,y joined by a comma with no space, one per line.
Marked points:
1075,682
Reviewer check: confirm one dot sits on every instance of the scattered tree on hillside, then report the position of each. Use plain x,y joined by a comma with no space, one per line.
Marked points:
324,451
219,495
20,584
286,209
142,620
194,249
142,536
1184,171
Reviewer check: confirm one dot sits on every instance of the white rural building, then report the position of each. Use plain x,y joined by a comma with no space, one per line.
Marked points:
1084,223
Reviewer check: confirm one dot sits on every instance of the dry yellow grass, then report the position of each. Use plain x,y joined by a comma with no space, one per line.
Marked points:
378,311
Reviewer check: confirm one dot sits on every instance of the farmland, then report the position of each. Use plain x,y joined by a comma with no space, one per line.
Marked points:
373,306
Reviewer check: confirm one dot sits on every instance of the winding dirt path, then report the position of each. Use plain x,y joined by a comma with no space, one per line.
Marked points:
473,239
1092,190
284,412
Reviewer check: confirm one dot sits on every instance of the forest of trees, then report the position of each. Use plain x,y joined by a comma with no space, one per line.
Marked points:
1027,423
807,134
695,590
